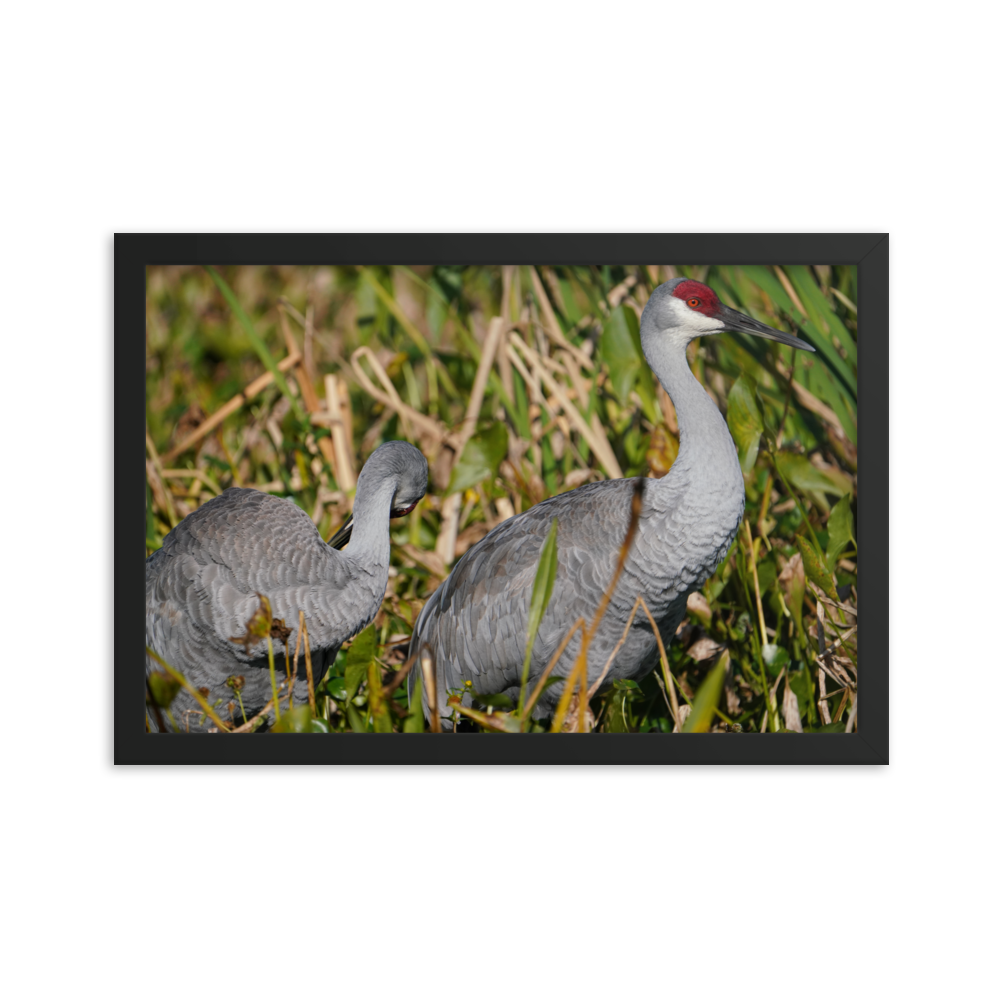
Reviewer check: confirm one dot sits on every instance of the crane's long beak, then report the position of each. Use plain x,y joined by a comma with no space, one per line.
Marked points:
343,534
738,321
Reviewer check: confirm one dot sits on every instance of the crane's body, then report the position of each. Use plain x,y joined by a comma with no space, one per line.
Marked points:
475,625
202,586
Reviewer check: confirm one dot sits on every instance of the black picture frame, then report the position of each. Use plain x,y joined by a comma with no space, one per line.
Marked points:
868,251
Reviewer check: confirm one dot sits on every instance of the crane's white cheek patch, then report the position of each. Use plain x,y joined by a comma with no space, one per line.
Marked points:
704,323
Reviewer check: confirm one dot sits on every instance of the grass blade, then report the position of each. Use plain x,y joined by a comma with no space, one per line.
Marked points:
703,709
541,592
359,656
745,422
414,722
258,345
393,306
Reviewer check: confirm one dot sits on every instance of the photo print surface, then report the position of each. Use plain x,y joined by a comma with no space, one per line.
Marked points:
503,499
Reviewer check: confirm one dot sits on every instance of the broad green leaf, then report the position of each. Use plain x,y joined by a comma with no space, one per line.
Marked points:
816,568
356,719
622,352
707,698
361,653
541,592
745,421
614,715
775,657
414,722
295,720
164,688
480,458
803,475
336,688
767,572
833,727
320,726
840,527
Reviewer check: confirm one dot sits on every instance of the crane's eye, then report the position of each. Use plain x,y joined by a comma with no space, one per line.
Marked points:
694,303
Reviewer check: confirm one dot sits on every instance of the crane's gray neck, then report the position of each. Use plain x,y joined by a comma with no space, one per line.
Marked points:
369,544
707,452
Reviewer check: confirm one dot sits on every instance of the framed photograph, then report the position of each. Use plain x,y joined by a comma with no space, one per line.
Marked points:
406,488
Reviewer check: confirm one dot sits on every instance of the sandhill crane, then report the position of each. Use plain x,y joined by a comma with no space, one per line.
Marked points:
475,624
202,586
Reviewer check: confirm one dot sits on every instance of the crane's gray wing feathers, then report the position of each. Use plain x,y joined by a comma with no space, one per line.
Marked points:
476,622
202,586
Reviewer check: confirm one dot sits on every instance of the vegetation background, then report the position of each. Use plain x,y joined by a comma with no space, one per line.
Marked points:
520,382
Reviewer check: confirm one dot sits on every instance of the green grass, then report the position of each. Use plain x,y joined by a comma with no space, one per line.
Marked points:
793,416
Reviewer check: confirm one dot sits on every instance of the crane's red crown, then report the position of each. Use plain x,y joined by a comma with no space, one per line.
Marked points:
698,297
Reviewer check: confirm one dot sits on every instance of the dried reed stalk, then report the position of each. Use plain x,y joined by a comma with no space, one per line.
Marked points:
239,400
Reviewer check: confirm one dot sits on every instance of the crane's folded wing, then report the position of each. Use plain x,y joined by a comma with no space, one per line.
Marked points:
207,576
477,621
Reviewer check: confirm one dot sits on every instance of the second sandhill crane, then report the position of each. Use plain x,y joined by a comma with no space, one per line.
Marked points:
204,584
474,626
